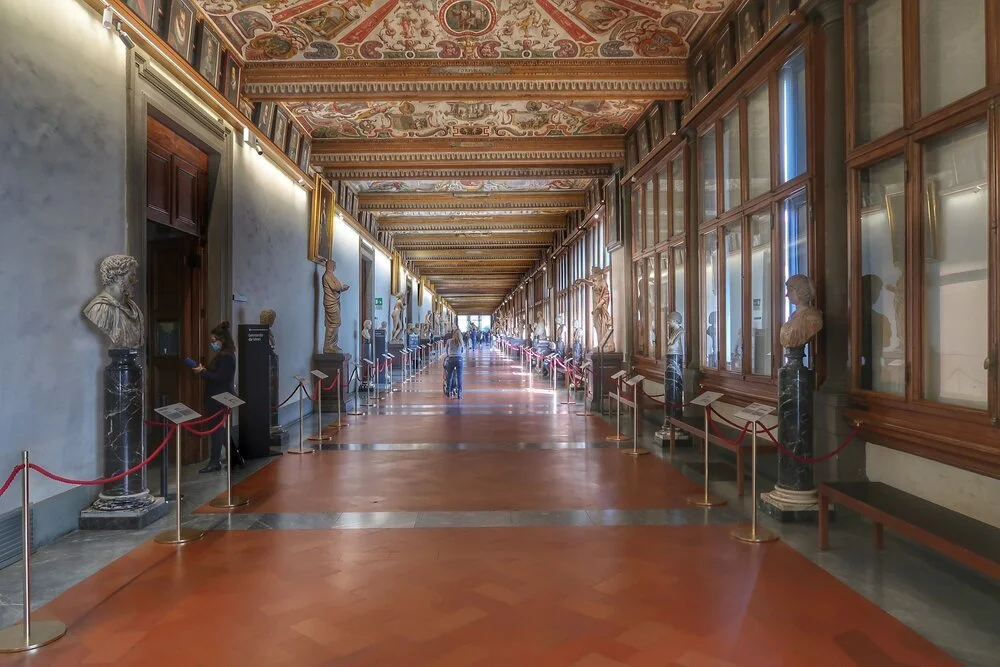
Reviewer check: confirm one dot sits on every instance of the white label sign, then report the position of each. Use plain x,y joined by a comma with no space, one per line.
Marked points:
633,381
178,413
229,400
707,398
319,375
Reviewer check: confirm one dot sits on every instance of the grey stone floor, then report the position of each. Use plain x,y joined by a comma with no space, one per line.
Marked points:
956,609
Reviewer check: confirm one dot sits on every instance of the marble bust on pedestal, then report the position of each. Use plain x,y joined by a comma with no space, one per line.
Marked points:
113,311
807,320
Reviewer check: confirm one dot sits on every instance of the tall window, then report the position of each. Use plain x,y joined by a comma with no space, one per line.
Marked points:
706,161
731,160
677,224
641,346
878,67
710,290
733,248
649,214
651,284
759,141
761,319
663,202
792,105
952,51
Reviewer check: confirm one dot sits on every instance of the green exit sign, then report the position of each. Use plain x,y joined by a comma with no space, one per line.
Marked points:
378,302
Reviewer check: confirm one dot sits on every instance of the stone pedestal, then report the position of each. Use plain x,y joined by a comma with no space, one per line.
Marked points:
673,397
605,364
794,497
125,503
331,363
396,350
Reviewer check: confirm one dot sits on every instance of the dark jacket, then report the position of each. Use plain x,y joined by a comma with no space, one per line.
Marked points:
219,377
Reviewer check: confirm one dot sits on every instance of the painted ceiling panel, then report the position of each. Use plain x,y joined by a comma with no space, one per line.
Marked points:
400,120
537,185
311,30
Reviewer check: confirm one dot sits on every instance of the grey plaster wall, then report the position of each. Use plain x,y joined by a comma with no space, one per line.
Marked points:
270,266
62,209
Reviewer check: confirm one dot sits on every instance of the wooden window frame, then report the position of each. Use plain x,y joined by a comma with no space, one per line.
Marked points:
956,435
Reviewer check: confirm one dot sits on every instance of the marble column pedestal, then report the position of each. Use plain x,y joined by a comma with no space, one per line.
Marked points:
794,497
125,503
673,397
604,366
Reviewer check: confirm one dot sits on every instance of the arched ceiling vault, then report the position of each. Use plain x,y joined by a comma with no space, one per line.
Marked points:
468,127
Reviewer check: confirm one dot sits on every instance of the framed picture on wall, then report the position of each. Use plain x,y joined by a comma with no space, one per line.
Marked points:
231,78
246,108
700,79
209,53
180,28
631,153
294,137
280,134
305,154
642,138
777,10
324,208
150,11
655,121
612,217
671,116
725,56
263,117
749,26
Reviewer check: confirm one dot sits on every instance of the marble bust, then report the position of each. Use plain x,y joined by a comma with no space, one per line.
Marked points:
560,327
807,320
113,311
366,331
577,332
267,318
539,330
675,333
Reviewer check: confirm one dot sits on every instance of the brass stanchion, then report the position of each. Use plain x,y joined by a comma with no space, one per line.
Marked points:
320,436
230,500
340,422
753,533
28,636
301,450
706,500
569,398
356,376
618,436
178,535
586,399
635,451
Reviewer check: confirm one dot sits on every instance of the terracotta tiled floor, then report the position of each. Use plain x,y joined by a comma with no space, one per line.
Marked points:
496,479
679,597
583,596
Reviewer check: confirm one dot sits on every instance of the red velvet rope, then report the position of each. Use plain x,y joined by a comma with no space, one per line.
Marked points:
194,431
819,459
731,443
96,482
10,478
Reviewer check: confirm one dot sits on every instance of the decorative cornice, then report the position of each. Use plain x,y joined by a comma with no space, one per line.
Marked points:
480,173
514,156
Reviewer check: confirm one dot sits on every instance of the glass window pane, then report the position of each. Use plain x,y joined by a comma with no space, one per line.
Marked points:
795,235
956,267
760,294
678,221
792,111
759,141
733,238
663,226
706,160
636,218
651,281
883,249
679,301
650,216
952,51
710,290
731,159
640,306
878,67
664,301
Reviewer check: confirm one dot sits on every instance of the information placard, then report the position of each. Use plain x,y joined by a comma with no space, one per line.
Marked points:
754,412
633,381
619,375
706,399
178,413
319,375
301,378
231,401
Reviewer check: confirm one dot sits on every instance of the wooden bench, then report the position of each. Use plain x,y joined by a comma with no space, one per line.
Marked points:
697,429
970,542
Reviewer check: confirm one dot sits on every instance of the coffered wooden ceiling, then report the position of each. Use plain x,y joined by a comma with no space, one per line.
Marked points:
469,128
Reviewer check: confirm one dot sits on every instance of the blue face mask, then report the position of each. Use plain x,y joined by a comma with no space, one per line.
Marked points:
216,345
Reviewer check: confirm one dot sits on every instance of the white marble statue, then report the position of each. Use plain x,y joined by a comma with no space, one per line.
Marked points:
601,313
332,289
113,311
675,333
366,331
398,314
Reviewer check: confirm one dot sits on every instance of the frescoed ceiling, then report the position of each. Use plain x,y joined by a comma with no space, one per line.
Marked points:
323,30
470,129
399,120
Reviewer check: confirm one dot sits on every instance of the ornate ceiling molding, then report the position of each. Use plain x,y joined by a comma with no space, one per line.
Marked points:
389,201
422,225
480,173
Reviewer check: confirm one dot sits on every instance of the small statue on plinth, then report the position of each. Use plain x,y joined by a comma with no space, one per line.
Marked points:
366,332
560,328
398,311
332,289
539,331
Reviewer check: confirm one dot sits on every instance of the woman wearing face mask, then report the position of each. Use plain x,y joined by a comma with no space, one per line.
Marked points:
219,377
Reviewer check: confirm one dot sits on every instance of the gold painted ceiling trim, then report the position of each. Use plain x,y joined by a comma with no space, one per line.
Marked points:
464,68
469,200
395,223
481,173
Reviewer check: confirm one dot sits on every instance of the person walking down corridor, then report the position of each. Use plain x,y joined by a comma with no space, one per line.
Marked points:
219,378
453,365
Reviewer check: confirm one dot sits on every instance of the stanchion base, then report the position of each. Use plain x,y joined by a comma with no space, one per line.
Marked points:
173,537
747,534
567,402
618,438
310,450
337,425
635,452
319,438
701,501
355,414
237,501
583,414
42,633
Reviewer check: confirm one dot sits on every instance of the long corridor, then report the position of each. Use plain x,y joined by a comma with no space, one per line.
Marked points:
500,529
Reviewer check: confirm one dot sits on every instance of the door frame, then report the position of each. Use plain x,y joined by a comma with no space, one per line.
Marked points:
151,92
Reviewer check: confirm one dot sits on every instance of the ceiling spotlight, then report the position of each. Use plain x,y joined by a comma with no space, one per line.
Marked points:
108,20
122,35
246,135
260,149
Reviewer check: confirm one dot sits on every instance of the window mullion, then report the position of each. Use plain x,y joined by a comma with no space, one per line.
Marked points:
914,305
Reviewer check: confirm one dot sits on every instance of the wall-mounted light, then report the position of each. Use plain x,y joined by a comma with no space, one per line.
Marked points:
108,19
122,35
246,135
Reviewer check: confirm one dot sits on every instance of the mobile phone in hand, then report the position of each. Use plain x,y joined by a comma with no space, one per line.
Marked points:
191,363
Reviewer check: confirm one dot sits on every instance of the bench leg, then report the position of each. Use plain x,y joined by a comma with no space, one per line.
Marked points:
879,536
740,472
824,522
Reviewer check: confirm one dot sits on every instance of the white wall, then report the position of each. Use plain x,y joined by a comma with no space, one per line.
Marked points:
959,490
347,254
270,267
62,210
383,275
